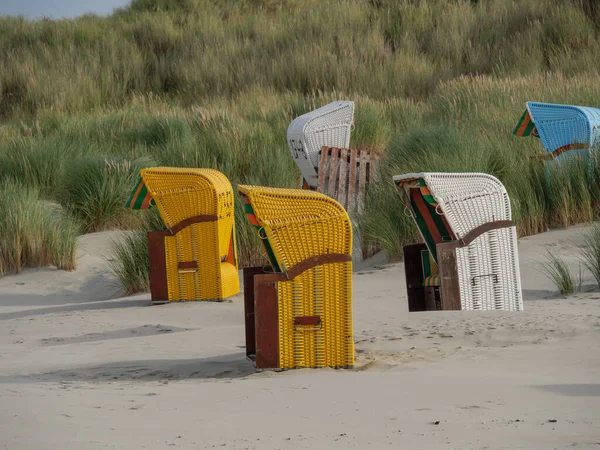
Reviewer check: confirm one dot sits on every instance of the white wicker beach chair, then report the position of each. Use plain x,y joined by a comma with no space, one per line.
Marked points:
328,126
465,220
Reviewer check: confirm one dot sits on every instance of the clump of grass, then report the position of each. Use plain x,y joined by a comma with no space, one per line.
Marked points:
128,259
591,252
558,271
95,189
34,232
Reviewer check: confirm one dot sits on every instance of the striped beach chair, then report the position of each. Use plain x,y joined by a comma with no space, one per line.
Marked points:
469,258
299,309
195,258
565,131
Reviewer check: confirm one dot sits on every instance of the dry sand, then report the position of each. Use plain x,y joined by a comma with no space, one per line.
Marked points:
81,371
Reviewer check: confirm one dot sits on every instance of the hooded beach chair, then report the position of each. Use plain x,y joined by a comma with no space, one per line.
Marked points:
195,258
469,260
299,308
329,126
564,130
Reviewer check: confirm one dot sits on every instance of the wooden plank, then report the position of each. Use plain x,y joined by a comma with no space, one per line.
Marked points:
374,168
333,179
352,177
323,170
362,179
450,285
342,197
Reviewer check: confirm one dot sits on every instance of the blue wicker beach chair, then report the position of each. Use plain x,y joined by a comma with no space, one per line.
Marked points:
565,131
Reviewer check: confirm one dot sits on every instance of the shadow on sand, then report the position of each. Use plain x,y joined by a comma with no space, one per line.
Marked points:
218,367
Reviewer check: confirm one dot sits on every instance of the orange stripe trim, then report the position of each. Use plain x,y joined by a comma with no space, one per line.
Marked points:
524,125
252,219
230,257
147,200
135,196
420,202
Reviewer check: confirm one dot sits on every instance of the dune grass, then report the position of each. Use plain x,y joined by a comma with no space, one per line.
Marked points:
558,271
197,49
34,232
438,85
590,254
93,190
128,260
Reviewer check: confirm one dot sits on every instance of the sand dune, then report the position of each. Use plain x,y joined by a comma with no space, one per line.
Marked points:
81,368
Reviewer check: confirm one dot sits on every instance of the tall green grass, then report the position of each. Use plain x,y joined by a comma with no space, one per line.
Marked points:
591,252
559,272
95,188
129,261
33,232
438,85
197,49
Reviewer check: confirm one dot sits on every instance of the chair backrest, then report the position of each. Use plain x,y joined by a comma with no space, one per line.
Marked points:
457,203
329,125
296,224
446,206
564,130
345,175
182,193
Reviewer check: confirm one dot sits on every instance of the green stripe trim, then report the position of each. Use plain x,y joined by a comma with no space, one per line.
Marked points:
137,185
429,199
140,198
516,130
529,128
439,223
248,209
270,253
431,281
424,230
426,263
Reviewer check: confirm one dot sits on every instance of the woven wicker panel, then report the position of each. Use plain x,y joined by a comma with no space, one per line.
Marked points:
488,268
301,224
184,193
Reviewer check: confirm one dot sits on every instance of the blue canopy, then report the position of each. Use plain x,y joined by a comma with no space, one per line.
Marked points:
565,130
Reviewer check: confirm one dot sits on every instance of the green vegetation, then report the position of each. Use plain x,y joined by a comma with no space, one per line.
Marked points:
93,188
34,232
438,85
591,252
129,263
558,271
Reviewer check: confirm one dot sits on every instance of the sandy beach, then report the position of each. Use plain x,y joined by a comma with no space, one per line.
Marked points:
81,368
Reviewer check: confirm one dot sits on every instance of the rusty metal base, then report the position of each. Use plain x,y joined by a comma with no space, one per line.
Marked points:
261,318
261,310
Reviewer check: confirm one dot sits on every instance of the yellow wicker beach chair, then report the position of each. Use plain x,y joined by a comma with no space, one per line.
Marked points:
299,310
196,257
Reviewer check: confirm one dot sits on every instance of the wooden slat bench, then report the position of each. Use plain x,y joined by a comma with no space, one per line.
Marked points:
345,175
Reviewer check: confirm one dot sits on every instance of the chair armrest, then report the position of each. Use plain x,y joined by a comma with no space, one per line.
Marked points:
476,232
